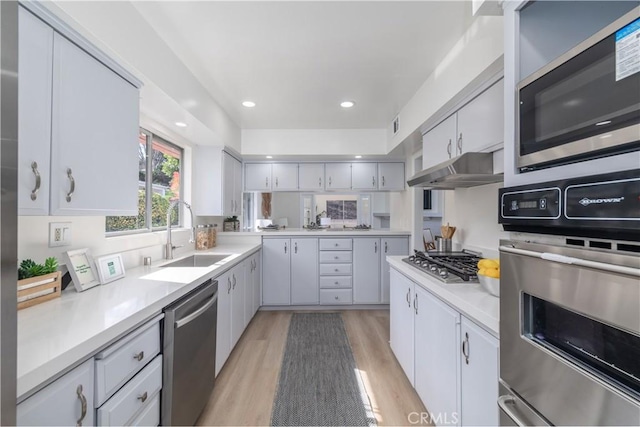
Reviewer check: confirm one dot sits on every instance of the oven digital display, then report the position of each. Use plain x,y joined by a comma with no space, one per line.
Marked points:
544,203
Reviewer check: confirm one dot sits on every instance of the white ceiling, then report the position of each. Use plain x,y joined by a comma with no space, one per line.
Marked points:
299,60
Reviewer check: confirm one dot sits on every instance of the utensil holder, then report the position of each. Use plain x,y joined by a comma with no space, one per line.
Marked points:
444,245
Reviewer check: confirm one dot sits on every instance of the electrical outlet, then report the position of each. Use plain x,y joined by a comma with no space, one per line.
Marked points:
59,234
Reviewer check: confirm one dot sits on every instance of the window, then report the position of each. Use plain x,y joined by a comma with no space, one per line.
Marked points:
156,189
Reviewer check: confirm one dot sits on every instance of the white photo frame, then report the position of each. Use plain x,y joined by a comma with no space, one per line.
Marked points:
110,268
82,269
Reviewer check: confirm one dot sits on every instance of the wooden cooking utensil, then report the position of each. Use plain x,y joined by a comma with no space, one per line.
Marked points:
447,231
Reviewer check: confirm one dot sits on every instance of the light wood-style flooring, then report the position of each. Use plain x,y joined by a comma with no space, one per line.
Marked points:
246,385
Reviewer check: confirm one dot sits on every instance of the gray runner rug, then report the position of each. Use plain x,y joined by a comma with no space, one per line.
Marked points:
319,384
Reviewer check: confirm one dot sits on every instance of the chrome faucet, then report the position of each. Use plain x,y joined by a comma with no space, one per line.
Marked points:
168,249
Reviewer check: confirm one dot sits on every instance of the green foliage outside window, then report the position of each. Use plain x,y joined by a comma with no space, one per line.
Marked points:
159,206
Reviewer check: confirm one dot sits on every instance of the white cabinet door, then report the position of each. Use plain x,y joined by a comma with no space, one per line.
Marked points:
238,294
257,284
401,320
228,184
481,121
338,176
364,176
366,270
249,280
391,176
35,62
276,272
437,355
311,176
257,176
60,403
391,246
439,144
284,176
94,163
479,376
304,272
237,187
223,323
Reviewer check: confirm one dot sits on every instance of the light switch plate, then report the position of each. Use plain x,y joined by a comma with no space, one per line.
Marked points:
59,234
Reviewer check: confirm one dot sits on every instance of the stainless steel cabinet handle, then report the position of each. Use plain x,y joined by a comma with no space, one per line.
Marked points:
72,182
336,270
285,248
276,182
234,281
375,245
465,347
504,402
320,182
386,247
409,297
139,356
460,144
449,148
83,404
373,181
266,181
295,247
415,304
336,257
336,283
143,397
34,192
329,181
383,180
336,297
228,284
336,245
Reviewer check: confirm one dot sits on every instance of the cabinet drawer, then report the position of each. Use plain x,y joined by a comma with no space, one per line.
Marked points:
335,244
336,256
120,362
335,296
335,282
335,269
133,398
150,415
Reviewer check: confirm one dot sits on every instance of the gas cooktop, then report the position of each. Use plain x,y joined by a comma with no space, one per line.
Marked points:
448,267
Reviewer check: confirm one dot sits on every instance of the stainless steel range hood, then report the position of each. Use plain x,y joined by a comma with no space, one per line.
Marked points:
466,170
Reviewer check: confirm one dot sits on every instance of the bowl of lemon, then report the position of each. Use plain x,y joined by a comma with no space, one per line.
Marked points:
489,275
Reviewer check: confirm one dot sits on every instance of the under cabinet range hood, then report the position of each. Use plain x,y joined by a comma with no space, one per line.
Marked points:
466,170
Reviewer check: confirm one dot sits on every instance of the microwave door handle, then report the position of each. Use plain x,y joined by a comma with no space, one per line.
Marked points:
619,269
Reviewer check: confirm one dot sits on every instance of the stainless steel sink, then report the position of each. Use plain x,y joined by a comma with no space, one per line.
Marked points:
197,261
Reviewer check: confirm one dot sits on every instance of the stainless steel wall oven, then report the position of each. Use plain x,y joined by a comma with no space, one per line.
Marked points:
570,304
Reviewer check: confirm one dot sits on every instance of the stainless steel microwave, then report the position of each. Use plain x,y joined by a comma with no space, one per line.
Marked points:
584,104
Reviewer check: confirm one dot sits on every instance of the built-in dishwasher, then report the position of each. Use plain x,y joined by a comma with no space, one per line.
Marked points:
189,351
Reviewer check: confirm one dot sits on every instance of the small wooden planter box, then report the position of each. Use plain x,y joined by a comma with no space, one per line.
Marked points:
47,287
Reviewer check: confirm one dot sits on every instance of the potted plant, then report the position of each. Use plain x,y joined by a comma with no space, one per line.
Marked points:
38,283
231,223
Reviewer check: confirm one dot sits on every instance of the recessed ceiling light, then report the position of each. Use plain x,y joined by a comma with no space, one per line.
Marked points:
249,104
606,122
269,157
181,124
358,157
347,104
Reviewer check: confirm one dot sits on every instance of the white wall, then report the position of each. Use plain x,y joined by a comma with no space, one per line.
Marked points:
477,49
314,141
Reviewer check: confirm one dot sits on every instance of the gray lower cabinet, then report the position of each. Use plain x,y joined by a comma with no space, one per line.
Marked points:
366,270
304,272
336,269
276,271
390,246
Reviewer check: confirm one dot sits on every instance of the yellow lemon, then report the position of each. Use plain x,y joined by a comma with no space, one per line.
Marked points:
492,272
488,263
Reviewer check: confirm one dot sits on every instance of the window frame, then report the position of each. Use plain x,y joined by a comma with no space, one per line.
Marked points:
149,228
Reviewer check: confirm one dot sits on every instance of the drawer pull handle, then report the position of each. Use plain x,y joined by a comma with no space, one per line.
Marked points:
72,185
143,397
336,283
139,356
336,270
335,257
336,297
34,192
336,245
83,403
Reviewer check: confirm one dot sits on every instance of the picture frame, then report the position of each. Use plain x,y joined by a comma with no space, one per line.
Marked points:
82,269
110,268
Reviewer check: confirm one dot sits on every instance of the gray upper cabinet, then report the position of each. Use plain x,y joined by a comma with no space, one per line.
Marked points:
438,145
364,176
338,176
481,121
78,118
311,176
257,176
284,177
231,185
391,176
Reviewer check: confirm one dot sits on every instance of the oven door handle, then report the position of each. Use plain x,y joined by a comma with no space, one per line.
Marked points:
505,402
547,256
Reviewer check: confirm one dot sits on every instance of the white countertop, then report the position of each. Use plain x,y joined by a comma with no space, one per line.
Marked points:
57,334
321,233
468,299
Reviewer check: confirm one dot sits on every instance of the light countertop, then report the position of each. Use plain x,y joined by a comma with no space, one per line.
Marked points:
320,233
468,299
65,331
